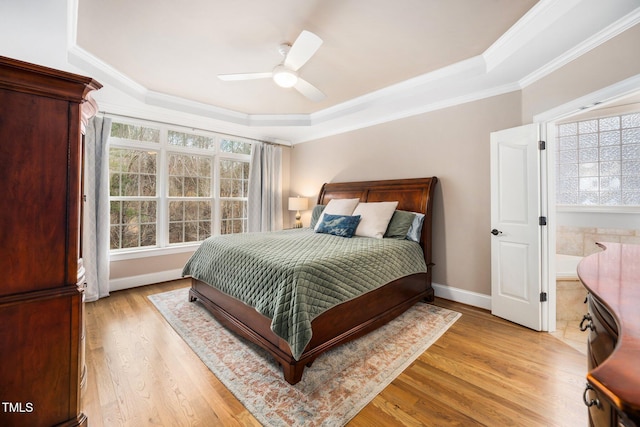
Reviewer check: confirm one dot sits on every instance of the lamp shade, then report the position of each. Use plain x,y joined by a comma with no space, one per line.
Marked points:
298,203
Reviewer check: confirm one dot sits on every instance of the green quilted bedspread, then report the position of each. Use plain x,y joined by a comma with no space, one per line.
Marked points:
292,276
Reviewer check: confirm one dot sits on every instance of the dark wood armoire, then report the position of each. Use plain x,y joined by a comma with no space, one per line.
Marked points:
41,273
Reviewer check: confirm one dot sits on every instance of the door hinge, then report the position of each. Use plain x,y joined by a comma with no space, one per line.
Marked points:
542,145
543,296
542,220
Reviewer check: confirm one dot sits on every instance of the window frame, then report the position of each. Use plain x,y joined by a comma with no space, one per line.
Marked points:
164,149
595,208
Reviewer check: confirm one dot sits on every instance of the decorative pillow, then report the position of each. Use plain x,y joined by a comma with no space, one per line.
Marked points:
415,231
399,225
338,225
375,218
315,214
338,207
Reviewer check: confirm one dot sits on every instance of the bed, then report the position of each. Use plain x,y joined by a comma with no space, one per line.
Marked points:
341,320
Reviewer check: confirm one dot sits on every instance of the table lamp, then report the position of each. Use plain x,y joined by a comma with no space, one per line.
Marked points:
298,204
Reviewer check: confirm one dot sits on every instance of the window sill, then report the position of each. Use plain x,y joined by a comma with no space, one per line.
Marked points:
599,209
127,254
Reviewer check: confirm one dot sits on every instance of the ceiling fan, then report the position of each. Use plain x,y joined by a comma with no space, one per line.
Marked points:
286,73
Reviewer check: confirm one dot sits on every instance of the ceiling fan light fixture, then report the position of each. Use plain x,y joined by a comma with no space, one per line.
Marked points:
284,77
286,73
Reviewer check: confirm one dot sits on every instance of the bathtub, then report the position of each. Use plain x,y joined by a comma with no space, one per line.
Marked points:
566,267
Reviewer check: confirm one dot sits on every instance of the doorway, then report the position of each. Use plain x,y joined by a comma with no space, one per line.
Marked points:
575,229
615,96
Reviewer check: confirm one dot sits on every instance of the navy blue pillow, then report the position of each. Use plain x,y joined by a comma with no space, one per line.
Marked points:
338,225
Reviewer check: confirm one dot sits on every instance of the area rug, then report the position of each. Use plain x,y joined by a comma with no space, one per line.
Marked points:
333,390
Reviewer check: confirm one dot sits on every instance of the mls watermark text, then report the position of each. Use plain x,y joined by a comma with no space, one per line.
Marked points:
25,407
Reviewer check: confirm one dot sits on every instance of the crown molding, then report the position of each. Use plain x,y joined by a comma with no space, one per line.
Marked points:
420,84
613,30
198,108
535,21
82,59
336,127
466,81
594,99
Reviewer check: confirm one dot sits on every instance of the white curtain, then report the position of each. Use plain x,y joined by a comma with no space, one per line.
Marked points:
265,188
95,244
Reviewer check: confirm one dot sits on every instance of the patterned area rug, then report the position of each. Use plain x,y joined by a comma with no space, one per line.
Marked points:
338,385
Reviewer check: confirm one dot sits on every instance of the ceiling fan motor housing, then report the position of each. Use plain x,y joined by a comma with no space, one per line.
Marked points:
284,48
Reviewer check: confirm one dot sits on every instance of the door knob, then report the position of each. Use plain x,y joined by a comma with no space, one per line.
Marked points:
496,232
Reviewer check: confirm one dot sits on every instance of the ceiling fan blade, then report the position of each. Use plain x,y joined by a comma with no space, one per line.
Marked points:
302,50
244,76
309,90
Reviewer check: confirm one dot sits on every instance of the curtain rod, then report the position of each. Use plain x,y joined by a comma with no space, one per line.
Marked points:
192,128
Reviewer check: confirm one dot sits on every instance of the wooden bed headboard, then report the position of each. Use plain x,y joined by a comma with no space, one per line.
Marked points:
414,195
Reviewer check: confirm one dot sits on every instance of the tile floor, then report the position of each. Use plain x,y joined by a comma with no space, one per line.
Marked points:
569,332
570,308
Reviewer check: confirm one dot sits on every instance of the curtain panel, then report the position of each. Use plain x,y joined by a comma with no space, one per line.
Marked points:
95,243
265,188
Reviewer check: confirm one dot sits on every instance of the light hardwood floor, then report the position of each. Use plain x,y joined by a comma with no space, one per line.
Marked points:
482,371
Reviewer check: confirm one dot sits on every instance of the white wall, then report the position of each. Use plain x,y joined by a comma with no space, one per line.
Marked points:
35,31
452,144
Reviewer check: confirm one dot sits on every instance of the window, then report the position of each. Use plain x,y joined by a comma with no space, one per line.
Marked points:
598,162
171,187
190,201
234,188
234,181
133,177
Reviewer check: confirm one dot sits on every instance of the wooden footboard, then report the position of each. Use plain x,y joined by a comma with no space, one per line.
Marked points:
345,322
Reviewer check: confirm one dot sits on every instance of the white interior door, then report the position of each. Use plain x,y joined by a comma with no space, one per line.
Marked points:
516,231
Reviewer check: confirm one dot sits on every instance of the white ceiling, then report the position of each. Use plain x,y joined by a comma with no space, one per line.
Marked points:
379,60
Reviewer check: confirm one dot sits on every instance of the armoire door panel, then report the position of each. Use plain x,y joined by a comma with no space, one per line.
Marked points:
37,376
33,230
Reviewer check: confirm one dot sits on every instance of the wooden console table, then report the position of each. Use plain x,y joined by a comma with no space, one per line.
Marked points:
612,278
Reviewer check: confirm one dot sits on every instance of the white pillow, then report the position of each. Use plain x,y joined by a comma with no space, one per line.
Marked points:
374,219
338,207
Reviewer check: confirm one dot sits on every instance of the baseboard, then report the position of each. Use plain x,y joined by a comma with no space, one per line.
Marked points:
144,279
460,295
441,291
